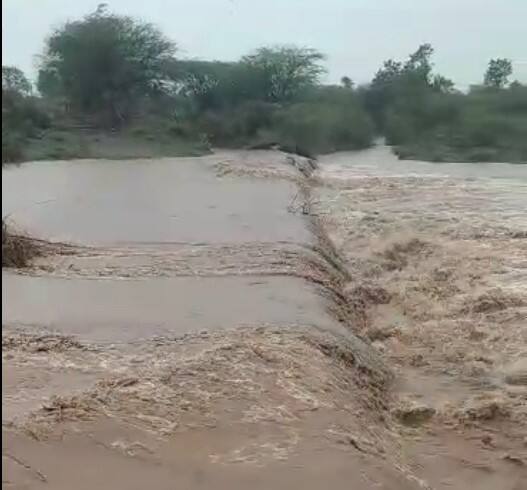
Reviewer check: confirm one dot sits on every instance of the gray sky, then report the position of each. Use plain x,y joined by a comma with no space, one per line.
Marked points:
356,35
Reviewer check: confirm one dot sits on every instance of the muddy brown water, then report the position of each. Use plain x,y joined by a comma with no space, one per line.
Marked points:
381,161
457,314
248,415
157,204
125,310
147,201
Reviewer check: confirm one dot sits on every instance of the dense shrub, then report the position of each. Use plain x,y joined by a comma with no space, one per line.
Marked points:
22,117
12,147
324,127
320,124
236,126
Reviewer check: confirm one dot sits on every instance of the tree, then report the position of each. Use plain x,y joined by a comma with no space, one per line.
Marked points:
196,77
442,84
389,72
405,90
49,82
418,68
419,64
216,85
105,63
22,115
498,72
286,70
346,82
14,80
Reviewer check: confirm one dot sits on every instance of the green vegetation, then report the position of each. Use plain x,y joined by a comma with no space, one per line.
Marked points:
23,115
498,73
484,125
424,117
105,64
136,141
271,96
111,86
331,119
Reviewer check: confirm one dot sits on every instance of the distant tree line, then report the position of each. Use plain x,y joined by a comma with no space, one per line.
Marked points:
424,116
111,71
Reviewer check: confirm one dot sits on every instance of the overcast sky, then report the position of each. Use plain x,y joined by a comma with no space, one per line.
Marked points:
356,35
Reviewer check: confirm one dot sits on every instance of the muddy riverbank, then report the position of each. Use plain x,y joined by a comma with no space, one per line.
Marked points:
362,323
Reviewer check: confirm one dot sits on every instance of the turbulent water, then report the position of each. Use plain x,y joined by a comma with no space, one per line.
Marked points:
244,320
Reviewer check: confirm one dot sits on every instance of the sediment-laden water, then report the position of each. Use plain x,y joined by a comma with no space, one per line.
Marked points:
240,319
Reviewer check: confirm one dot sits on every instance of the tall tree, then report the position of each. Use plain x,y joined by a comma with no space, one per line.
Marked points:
346,82
404,86
105,63
442,84
286,70
14,80
22,115
419,63
389,72
498,72
417,67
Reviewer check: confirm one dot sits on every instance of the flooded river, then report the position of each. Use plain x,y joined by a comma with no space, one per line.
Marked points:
116,311
231,321
147,202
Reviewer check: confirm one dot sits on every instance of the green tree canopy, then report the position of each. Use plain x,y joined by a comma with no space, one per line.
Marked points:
105,63
406,84
267,75
498,72
22,115
443,84
286,70
216,84
419,64
14,80
346,82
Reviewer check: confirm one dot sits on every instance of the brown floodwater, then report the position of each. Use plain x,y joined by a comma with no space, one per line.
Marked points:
447,242
148,201
381,161
125,310
278,407
372,191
